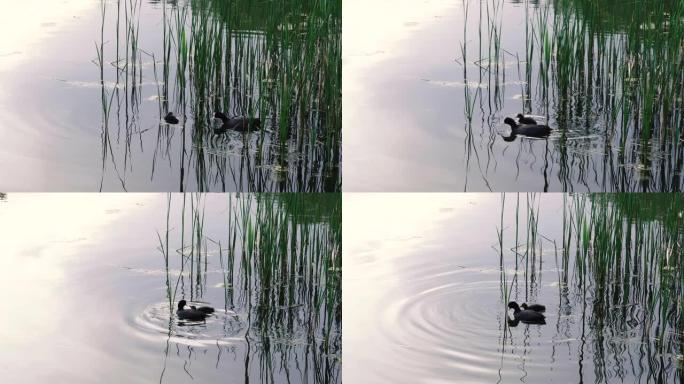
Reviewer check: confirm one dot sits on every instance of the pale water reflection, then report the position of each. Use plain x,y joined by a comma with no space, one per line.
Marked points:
29,22
428,85
87,84
427,281
91,293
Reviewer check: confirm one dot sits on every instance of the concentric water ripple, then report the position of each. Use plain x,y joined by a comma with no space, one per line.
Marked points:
158,320
457,322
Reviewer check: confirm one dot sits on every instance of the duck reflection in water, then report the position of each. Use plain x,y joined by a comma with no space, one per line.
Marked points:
529,130
526,316
194,313
238,123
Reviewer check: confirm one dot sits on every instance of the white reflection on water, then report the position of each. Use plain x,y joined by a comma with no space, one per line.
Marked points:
363,37
390,242
85,295
45,238
23,23
423,298
375,31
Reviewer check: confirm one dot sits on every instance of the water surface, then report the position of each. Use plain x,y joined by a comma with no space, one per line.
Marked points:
427,93
427,280
86,84
94,296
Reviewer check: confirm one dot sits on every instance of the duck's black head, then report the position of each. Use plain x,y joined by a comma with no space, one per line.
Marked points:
514,306
182,304
220,115
510,122
523,306
520,116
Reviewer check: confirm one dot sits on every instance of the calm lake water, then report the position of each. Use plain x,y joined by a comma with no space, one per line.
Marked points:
87,298
87,83
427,282
425,95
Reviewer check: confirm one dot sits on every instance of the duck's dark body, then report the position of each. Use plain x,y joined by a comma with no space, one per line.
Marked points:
238,124
526,120
533,307
193,314
170,118
206,310
526,316
535,130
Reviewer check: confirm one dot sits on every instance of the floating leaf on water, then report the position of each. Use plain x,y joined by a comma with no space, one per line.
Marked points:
518,82
456,84
484,63
561,341
92,84
585,137
152,272
98,84
275,168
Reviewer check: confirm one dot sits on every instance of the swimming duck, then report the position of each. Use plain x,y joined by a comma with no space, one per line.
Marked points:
536,130
533,307
526,316
525,120
193,313
170,118
206,310
239,124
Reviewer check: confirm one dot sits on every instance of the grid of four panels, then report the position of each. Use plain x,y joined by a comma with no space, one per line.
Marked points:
176,208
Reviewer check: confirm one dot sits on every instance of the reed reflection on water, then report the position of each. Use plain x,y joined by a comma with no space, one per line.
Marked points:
279,62
605,76
431,293
619,280
280,270
103,287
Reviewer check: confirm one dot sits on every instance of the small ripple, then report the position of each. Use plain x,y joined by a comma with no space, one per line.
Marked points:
432,316
457,325
159,320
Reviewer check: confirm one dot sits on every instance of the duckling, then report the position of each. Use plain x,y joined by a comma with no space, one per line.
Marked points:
239,124
536,130
527,316
525,120
189,314
170,118
533,307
